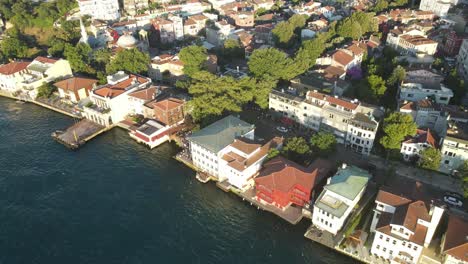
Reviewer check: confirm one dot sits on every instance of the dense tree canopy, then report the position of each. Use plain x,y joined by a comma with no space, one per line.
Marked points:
79,57
457,85
131,60
430,159
396,127
270,63
356,25
13,47
285,33
194,58
213,96
296,149
323,143
233,49
46,90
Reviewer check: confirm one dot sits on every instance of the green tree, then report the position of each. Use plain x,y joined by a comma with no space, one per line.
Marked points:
296,149
377,85
457,85
398,75
463,174
297,22
12,47
79,57
194,58
46,90
261,91
233,49
283,34
270,63
272,153
430,159
371,89
356,25
130,60
323,143
261,11
56,48
381,5
214,96
396,127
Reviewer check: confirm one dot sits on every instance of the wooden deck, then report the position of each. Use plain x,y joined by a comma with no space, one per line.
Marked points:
79,133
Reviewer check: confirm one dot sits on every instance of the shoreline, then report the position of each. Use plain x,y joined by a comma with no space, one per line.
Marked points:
257,204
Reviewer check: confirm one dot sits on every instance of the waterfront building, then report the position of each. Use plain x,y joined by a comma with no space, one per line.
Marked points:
422,84
11,74
455,241
109,102
428,114
412,147
339,197
282,182
102,9
138,99
405,220
169,111
454,147
242,160
75,89
151,133
206,144
43,70
352,122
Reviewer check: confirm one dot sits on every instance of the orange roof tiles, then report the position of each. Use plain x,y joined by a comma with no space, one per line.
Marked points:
76,83
456,238
46,60
168,104
333,100
13,67
342,57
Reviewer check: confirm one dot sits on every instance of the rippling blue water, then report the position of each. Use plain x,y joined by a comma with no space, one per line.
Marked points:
115,201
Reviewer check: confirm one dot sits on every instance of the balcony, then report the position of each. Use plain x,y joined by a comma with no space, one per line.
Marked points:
97,109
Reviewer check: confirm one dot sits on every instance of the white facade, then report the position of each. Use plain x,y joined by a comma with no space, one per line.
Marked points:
11,74
100,9
417,91
454,150
462,60
439,7
351,122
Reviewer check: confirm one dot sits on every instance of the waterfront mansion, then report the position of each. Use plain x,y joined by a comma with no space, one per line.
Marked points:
228,151
353,123
339,198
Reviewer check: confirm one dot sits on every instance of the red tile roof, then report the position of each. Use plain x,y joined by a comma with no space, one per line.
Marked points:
282,174
168,104
333,100
46,60
456,238
144,94
13,67
423,136
115,90
76,83
342,57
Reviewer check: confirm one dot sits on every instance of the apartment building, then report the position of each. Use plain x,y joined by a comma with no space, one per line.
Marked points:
110,101
339,197
422,84
166,67
439,7
194,24
412,147
352,122
168,30
462,60
411,41
11,74
405,220
102,9
427,113
454,147
132,7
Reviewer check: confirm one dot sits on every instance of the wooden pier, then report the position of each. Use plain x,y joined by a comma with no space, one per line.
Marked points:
78,134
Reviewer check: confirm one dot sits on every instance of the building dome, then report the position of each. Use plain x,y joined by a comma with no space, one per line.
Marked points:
127,41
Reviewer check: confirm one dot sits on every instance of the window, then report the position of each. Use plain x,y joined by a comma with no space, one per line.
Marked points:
391,252
384,249
394,242
388,239
378,247
415,248
381,236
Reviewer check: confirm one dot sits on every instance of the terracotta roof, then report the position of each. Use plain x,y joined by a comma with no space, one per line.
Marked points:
144,94
76,83
456,238
391,199
115,90
418,236
408,215
168,104
408,106
333,72
189,22
282,174
46,60
423,136
333,100
13,67
417,40
199,17
342,57
245,145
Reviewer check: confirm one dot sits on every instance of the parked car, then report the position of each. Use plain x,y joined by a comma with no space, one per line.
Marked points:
282,129
453,199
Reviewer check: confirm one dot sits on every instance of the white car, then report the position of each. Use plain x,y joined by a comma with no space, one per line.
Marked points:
451,200
282,129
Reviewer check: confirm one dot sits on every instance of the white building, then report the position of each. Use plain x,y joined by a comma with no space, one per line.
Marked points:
426,113
439,7
339,197
403,224
43,70
423,84
351,121
412,147
138,98
412,41
11,74
227,150
454,147
462,60
110,103
151,133
100,9
132,7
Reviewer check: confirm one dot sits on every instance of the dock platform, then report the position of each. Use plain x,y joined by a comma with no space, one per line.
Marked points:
79,133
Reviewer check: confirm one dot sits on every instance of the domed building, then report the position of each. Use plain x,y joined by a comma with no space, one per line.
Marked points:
127,41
